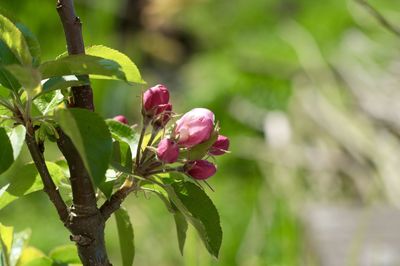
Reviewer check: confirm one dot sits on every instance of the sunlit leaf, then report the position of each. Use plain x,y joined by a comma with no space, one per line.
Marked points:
32,42
17,138
130,70
22,180
15,40
6,239
59,83
123,133
126,237
19,243
65,255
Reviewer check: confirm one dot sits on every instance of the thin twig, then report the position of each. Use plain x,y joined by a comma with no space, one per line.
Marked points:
379,17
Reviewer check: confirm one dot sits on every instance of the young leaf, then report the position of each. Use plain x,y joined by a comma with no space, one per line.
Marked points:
17,138
6,151
15,40
65,255
19,242
82,65
91,137
181,228
126,236
6,239
22,180
199,210
124,133
46,103
130,70
29,254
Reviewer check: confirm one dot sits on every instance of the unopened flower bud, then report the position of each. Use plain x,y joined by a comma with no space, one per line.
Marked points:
154,97
200,169
220,146
167,151
162,115
194,127
122,119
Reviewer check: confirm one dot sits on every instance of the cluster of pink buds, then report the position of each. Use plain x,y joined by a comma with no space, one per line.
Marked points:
184,146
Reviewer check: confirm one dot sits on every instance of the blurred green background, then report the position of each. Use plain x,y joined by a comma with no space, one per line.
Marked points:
306,90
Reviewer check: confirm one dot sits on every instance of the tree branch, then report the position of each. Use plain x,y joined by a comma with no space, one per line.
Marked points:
49,187
82,95
114,203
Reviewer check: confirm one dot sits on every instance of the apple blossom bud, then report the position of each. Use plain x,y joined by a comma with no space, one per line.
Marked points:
194,127
200,169
154,97
163,115
167,151
220,146
122,119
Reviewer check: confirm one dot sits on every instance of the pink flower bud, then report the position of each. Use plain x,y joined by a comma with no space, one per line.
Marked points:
154,97
220,146
194,127
167,151
163,115
122,119
200,169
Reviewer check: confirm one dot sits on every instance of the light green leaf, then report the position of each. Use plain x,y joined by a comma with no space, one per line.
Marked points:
82,65
15,40
6,239
181,228
23,180
199,151
46,103
65,255
199,210
6,151
29,254
126,236
91,137
124,133
43,261
130,70
17,138
28,77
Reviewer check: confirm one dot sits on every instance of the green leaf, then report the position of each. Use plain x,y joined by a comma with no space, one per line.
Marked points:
6,151
17,138
29,254
130,70
91,137
32,42
15,40
126,236
199,210
59,83
7,58
28,77
23,180
46,103
82,65
65,255
124,133
199,151
6,239
43,261
181,228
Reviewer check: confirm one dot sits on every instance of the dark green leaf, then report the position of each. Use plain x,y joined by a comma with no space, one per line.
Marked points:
32,42
7,58
130,70
91,137
199,210
59,83
15,40
27,76
82,65
6,151
64,255
123,133
22,180
126,236
181,228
